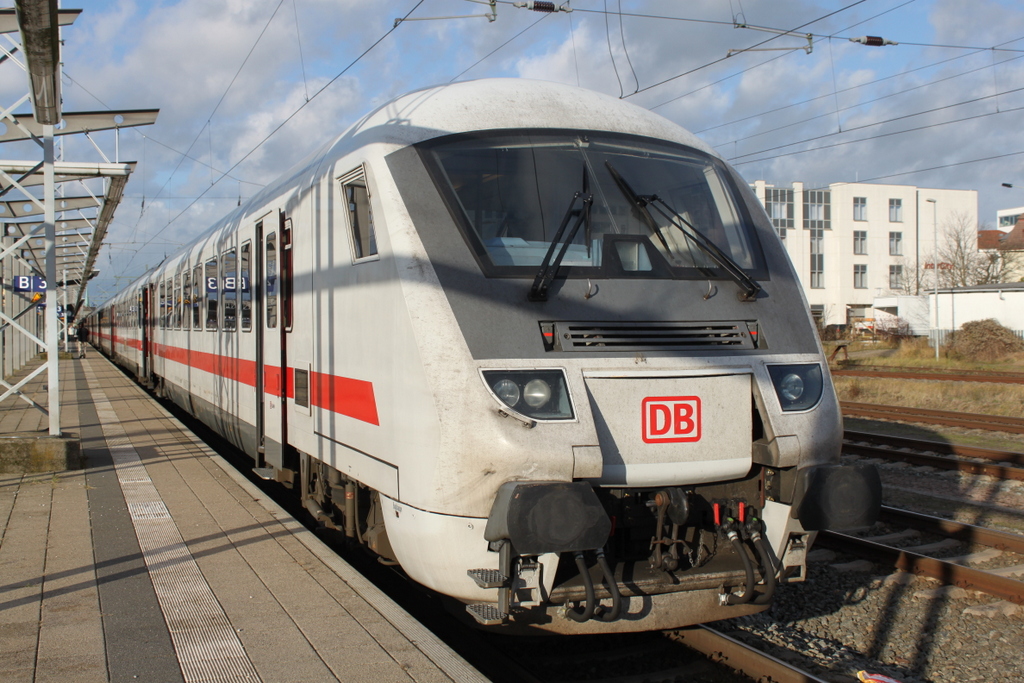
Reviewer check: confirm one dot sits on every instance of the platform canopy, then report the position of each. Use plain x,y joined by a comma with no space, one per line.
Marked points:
54,213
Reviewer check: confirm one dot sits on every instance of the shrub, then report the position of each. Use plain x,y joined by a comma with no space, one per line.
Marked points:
893,329
983,340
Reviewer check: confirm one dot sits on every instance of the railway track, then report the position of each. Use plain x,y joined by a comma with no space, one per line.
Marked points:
883,446
741,657
945,418
920,560
917,373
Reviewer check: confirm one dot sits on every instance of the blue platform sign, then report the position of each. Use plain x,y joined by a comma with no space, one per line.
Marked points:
29,283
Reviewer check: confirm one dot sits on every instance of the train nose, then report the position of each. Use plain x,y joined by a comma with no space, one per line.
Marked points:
671,431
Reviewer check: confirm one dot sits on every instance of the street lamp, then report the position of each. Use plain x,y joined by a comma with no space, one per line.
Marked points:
935,266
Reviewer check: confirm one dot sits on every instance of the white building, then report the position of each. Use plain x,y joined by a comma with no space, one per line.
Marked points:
852,242
1007,218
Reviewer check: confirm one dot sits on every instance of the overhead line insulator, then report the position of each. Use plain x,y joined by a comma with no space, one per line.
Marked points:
542,6
873,41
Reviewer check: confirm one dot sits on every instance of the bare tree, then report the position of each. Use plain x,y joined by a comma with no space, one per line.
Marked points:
960,262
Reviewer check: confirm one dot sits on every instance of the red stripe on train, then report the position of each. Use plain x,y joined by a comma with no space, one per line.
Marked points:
343,395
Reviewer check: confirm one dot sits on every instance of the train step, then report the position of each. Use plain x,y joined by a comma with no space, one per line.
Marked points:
486,614
488,578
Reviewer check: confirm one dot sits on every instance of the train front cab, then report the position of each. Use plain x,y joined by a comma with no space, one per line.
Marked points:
696,367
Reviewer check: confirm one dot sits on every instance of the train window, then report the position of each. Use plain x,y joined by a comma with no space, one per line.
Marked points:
243,287
514,194
177,302
301,388
197,298
360,218
211,294
186,299
169,305
229,290
271,280
286,275
163,304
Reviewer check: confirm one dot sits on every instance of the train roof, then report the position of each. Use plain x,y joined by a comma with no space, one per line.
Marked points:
465,107
502,103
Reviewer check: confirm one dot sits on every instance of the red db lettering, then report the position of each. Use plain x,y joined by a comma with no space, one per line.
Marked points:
670,419
661,419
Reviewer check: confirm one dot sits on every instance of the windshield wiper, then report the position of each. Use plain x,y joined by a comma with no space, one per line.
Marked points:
548,267
749,288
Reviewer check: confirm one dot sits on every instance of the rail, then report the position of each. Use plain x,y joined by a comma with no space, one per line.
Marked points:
945,418
919,373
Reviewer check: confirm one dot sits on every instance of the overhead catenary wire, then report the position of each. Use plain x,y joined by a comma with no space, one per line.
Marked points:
851,88
484,58
772,59
862,103
291,116
737,162
879,123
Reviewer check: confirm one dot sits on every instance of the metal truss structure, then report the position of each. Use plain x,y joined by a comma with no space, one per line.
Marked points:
54,213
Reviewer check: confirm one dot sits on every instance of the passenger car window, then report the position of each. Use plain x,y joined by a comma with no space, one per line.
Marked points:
244,287
271,280
211,294
197,298
229,290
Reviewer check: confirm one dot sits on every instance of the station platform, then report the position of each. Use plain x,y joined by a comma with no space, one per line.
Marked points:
160,562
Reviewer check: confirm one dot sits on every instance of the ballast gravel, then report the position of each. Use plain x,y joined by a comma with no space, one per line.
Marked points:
851,616
837,623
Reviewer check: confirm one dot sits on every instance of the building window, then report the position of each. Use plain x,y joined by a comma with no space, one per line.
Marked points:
779,204
895,210
817,210
860,276
818,314
895,277
817,259
895,244
860,242
860,208
1008,221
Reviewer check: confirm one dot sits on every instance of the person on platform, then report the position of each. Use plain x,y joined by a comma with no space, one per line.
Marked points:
82,334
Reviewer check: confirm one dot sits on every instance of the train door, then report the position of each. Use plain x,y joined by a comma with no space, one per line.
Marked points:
271,323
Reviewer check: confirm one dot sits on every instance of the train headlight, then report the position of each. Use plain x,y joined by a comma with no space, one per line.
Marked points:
792,387
798,387
507,391
537,394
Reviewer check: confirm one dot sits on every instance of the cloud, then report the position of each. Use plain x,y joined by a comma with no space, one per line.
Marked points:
186,57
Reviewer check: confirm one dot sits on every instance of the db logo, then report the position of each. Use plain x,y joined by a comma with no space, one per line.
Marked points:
668,419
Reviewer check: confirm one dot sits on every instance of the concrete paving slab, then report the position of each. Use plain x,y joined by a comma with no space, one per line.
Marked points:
83,583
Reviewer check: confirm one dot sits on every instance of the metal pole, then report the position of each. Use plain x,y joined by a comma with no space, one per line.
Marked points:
64,304
935,267
52,341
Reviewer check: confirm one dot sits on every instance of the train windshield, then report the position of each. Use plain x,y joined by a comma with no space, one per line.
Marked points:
621,206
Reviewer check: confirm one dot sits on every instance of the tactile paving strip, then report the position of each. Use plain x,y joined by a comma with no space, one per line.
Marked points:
204,641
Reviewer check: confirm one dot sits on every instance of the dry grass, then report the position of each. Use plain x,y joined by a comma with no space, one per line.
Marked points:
986,398
915,353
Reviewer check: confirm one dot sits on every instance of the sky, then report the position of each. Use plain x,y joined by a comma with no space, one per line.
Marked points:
246,88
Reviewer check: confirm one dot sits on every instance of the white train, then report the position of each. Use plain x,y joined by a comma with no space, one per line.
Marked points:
539,346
